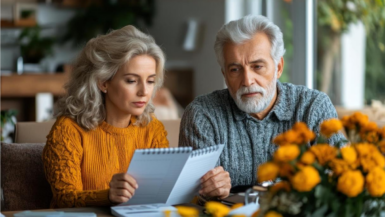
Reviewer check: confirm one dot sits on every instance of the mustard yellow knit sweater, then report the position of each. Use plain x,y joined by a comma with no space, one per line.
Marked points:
79,164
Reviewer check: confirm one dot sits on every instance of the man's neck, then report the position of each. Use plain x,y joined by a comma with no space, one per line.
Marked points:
261,115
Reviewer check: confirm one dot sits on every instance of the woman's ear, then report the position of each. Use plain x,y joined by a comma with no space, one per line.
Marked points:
103,86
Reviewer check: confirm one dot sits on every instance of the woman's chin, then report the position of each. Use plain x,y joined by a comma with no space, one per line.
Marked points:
136,111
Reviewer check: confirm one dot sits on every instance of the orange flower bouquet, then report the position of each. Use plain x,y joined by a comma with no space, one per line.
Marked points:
344,179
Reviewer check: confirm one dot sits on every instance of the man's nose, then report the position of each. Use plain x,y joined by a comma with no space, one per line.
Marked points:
248,79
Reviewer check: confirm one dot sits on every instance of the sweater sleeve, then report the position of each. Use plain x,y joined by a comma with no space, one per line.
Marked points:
160,135
322,109
62,157
196,129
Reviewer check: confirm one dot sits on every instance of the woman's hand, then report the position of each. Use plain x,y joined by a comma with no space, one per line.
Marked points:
122,188
216,183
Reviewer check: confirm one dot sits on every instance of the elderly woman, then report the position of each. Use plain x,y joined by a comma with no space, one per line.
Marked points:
106,114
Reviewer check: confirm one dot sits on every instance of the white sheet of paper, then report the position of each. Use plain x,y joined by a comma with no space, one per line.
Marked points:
170,176
152,210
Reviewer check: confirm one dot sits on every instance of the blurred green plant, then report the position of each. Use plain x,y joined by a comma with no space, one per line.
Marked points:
33,47
375,67
5,117
104,15
289,47
334,18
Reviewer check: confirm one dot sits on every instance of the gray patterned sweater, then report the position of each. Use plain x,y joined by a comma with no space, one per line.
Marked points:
215,119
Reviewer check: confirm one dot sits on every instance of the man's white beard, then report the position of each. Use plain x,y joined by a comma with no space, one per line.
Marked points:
258,103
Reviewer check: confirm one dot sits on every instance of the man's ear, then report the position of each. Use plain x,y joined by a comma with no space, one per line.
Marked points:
280,67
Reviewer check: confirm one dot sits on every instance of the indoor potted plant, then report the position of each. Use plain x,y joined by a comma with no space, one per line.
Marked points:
33,46
8,121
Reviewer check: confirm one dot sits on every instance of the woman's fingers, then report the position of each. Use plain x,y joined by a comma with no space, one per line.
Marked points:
122,188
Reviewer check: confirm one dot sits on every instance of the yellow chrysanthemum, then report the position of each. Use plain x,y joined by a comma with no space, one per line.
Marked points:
360,118
371,137
185,211
286,153
217,209
323,153
375,182
355,120
347,123
288,137
299,134
307,158
351,183
300,126
370,126
267,171
382,132
339,166
304,134
286,170
280,186
369,156
381,146
236,206
306,179
256,213
369,132
349,154
330,127
273,214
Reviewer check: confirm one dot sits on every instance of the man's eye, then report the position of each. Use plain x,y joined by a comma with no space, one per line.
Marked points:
233,70
257,67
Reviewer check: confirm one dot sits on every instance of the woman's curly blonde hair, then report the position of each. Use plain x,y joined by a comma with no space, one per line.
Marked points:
98,62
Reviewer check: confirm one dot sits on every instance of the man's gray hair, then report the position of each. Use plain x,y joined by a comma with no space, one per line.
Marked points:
239,31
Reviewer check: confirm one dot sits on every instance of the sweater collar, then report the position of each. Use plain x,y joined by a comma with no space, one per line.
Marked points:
283,108
116,130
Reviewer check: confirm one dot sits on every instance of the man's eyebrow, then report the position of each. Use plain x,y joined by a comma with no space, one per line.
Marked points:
258,61
233,64
251,62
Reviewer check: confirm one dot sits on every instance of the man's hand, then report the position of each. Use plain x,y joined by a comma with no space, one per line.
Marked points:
216,183
122,188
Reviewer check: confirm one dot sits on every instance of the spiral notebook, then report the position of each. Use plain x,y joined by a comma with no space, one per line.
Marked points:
170,175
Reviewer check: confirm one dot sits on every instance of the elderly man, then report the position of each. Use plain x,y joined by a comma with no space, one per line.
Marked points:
254,108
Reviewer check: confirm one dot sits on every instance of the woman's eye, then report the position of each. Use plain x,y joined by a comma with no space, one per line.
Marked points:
130,81
151,82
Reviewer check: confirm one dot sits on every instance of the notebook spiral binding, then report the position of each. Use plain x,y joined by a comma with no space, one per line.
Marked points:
199,152
164,150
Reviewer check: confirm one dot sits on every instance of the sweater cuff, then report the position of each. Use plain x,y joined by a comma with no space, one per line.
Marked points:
101,198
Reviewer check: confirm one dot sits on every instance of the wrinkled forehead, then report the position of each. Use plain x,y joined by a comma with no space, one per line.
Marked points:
259,47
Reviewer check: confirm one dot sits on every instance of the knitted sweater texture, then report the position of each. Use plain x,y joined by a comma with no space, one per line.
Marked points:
215,119
79,164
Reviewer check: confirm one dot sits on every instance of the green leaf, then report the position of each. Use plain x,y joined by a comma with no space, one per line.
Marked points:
321,211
